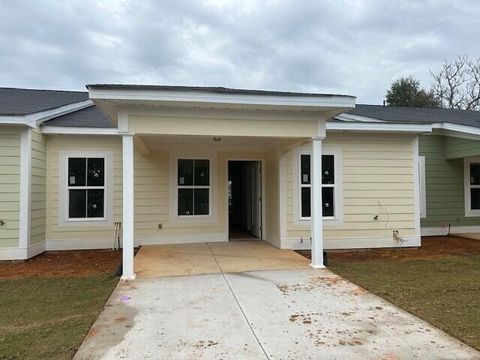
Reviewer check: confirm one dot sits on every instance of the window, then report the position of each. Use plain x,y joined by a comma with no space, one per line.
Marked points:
193,182
328,186
86,188
472,188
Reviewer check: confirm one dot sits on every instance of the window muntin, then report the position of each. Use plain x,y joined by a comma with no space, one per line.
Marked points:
86,188
193,186
328,186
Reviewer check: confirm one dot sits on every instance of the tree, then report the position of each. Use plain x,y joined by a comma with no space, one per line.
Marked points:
457,85
407,92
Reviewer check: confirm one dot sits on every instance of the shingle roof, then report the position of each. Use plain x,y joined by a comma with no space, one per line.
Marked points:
87,117
418,115
15,101
210,89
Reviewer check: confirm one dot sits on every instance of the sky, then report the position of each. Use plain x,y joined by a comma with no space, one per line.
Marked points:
354,47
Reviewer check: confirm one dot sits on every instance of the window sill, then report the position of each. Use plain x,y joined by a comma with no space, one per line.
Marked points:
472,213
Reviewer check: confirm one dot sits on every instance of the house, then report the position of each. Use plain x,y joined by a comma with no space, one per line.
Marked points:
449,165
196,164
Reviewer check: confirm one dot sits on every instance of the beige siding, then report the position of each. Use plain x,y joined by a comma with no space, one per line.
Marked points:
377,179
153,192
55,229
9,187
38,187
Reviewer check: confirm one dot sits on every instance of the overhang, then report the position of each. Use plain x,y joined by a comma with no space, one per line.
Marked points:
111,97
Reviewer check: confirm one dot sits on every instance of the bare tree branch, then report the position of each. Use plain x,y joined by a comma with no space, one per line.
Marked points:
457,85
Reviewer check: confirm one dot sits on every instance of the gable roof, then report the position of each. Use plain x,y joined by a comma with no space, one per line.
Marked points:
18,102
417,115
90,117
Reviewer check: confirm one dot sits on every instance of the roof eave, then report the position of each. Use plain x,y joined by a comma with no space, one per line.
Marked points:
205,97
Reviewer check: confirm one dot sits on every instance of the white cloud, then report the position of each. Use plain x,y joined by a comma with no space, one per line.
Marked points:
343,46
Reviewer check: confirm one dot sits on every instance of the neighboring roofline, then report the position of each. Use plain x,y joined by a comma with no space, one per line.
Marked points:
363,123
35,119
217,95
65,130
378,127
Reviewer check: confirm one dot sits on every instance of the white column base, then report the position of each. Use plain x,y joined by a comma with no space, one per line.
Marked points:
126,278
317,266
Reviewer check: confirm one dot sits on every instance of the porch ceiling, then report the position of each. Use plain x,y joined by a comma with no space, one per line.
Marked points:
159,142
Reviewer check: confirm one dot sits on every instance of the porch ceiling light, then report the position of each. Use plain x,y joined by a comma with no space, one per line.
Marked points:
217,138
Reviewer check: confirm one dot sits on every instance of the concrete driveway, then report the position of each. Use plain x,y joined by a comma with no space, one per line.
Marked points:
283,314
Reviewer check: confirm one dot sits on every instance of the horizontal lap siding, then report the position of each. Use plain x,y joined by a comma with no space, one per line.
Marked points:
55,145
444,185
9,187
151,186
38,187
377,179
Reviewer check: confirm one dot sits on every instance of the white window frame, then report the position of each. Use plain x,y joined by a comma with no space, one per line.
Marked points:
193,187
173,196
64,200
422,186
469,212
337,186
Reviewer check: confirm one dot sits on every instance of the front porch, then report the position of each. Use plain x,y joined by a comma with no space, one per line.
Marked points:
176,146
154,261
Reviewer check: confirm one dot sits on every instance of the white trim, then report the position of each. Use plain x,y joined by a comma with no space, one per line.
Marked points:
128,206
352,243
282,195
181,239
25,187
78,244
35,119
17,253
316,222
175,155
106,243
467,187
156,95
434,231
416,185
359,118
336,151
63,204
378,127
457,128
61,130
443,230
422,186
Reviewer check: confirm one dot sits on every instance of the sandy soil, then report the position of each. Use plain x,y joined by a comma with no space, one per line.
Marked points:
63,264
433,247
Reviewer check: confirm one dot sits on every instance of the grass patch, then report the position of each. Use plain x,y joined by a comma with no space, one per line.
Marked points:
47,318
445,292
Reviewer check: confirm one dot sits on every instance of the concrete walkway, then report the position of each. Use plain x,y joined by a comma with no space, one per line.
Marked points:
154,261
293,314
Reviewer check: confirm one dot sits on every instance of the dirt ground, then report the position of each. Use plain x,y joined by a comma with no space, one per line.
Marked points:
63,264
433,247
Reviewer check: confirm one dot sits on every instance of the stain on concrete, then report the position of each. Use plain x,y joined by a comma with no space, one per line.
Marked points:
108,331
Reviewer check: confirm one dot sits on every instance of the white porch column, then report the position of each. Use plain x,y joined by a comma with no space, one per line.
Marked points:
128,209
316,204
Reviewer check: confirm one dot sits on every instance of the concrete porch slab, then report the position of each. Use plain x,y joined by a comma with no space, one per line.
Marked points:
154,261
